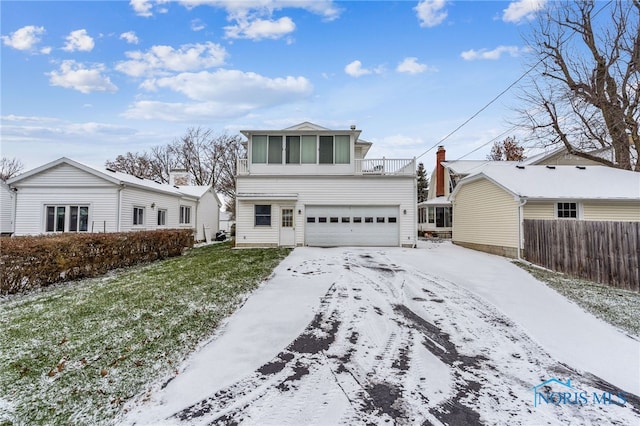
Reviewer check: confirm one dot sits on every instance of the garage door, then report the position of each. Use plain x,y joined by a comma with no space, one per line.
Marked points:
328,226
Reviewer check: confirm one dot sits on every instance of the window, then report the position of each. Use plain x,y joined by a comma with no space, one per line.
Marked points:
333,220
311,220
287,218
262,215
567,210
322,220
357,220
346,220
162,217
292,150
432,215
379,219
392,219
309,150
368,220
56,219
259,149
138,215
275,150
443,217
326,149
185,214
342,149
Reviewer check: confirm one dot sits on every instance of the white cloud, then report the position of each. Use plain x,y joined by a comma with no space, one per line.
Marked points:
354,69
73,75
260,28
24,38
431,13
522,9
45,50
130,37
411,65
161,59
197,25
79,40
142,7
325,8
177,111
235,88
471,55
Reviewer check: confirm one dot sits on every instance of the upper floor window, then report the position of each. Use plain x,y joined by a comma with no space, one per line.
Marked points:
307,149
292,150
67,218
185,215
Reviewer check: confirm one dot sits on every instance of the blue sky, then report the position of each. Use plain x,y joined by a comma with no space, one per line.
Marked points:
93,79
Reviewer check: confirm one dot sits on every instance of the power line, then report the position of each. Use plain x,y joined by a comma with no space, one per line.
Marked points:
497,97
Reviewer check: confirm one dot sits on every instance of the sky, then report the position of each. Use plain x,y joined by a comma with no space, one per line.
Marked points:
90,80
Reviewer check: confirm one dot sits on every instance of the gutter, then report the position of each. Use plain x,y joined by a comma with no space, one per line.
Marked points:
523,201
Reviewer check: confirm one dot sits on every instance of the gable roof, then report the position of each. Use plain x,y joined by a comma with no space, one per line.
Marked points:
467,167
117,178
561,182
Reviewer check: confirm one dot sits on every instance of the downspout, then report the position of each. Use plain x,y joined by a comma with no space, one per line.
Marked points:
14,210
415,206
119,215
523,201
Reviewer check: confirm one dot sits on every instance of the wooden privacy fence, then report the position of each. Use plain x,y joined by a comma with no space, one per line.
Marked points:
604,252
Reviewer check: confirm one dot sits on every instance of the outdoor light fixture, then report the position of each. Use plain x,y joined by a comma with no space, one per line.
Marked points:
299,211
153,205
404,211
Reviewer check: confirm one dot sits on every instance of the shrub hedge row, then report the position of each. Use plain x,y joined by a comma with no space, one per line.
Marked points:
28,263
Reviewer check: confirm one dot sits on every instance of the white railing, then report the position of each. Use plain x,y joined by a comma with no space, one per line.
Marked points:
243,166
386,166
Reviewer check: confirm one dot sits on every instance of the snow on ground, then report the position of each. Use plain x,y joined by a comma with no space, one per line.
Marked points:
438,334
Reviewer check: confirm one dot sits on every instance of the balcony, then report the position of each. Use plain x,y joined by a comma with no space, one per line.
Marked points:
372,167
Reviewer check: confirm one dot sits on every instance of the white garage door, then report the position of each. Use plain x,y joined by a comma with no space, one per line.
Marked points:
328,226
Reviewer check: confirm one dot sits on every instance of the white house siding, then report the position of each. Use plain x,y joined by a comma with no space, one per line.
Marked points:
324,191
485,217
7,198
207,216
64,175
135,197
31,202
611,210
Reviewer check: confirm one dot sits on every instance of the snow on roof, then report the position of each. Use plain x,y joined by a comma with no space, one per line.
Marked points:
563,182
438,201
466,167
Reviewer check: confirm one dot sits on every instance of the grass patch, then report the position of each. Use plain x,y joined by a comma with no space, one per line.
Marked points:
618,307
75,353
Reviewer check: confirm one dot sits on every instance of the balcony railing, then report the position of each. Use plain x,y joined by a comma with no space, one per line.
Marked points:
386,166
375,166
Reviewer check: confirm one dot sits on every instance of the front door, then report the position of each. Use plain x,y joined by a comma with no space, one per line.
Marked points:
287,227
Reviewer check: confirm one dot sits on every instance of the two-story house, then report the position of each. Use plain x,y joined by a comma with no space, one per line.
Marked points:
309,185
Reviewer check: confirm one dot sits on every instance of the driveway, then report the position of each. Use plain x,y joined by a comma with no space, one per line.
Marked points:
434,335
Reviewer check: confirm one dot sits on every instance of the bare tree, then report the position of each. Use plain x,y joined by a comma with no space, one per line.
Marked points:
585,90
140,165
507,150
10,168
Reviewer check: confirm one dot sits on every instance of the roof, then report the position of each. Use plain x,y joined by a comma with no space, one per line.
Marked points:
302,128
562,182
117,178
466,167
438,201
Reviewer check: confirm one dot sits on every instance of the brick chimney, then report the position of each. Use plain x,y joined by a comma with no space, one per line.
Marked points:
440,157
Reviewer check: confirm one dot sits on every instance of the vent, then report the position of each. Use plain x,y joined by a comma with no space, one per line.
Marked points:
139,177
520,167
581,167
551,167
176,186
110,170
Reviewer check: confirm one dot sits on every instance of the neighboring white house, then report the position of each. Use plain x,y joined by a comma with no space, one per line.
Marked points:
309,185
489,206
7,205
67,196
226,221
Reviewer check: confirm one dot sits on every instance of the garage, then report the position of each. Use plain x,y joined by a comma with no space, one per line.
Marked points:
329,226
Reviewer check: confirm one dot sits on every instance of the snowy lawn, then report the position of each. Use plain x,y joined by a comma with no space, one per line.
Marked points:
438,335
75,353
616,306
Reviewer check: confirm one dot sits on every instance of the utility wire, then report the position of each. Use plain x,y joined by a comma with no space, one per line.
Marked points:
497,97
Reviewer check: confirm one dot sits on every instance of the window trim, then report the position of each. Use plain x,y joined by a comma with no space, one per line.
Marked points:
185,215
66,218
578,210
134,218
164,217
262,215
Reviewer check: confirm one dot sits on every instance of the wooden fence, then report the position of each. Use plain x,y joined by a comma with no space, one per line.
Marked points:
604,252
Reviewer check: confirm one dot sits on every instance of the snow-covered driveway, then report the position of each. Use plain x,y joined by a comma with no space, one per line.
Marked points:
434,335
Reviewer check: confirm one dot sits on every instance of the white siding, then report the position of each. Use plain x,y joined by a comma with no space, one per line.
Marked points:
64,175
31,202
342,191
134,197
207,215
485,214
7,205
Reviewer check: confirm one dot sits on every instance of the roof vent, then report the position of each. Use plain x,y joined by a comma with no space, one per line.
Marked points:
139,177
110,170
353,127
551,167
581,167
176,186
520,167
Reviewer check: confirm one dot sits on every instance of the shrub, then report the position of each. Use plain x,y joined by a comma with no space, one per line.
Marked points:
28,263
